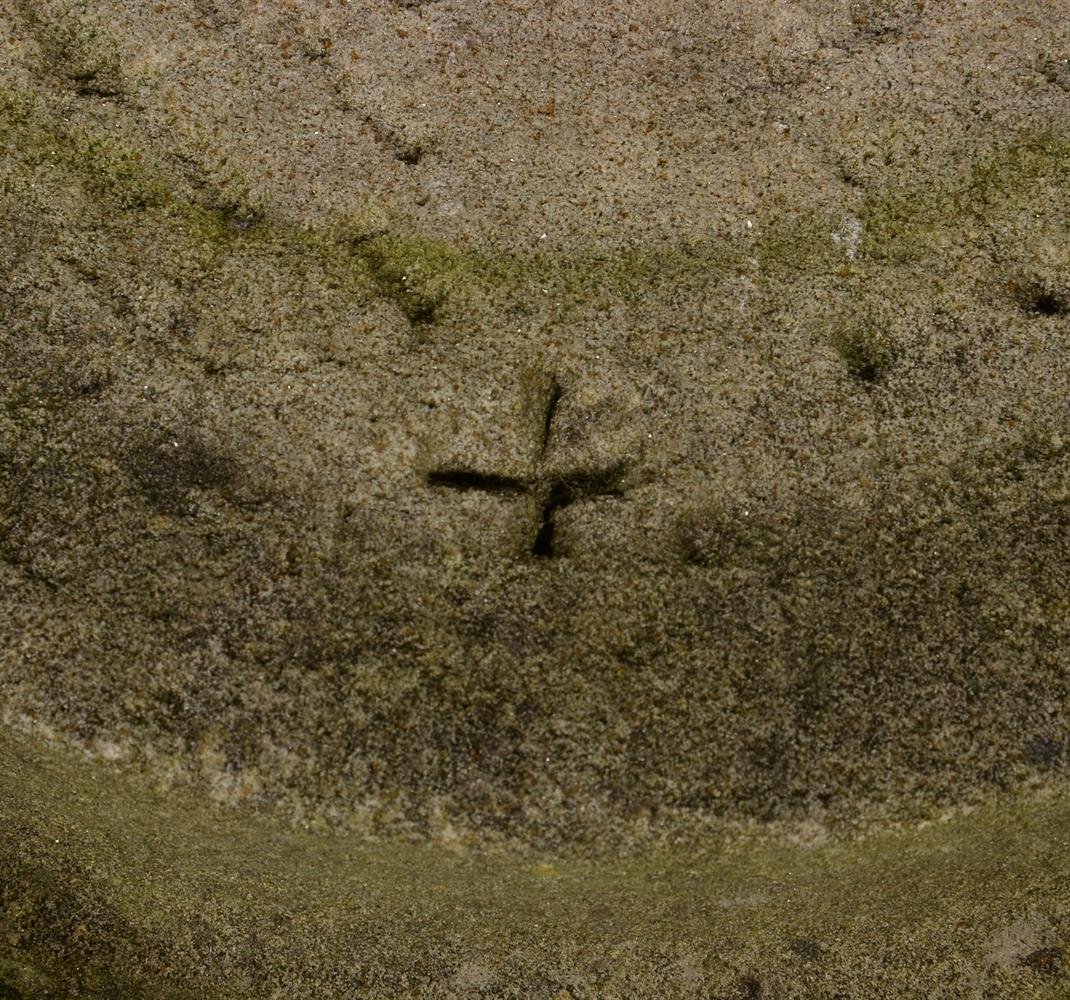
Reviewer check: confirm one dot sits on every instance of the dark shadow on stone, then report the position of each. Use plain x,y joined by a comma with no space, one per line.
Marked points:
1046,961
1037,298
168,466
805,949
468,479
868,353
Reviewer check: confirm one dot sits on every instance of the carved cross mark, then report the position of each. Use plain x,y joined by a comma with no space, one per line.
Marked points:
551,489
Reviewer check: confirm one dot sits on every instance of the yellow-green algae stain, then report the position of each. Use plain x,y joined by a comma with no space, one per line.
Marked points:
157,893
426,277
903,224
420,275
430,281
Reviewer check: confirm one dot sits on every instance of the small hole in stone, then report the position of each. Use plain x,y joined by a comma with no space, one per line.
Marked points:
409,154
805,949
544,540
241,222
1047,304
543,547
1038,298
867,371
1046,961
867,352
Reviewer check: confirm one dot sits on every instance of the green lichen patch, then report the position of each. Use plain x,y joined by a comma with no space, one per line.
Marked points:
416,275
107,168
1034,161
431,282
803,244
120,173
907,224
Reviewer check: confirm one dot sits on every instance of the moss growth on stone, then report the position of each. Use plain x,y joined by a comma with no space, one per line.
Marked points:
420,276
981,897
416,275
903,225
106,166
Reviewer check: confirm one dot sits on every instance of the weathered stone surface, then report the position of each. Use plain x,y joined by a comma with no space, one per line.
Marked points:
506,441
